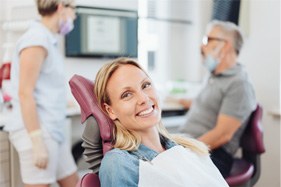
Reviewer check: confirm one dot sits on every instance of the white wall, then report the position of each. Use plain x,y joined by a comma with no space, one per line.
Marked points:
261,56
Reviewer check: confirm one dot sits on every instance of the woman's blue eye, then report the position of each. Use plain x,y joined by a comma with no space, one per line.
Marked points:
146,85
126,94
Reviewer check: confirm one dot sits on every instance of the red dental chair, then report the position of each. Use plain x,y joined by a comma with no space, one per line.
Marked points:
246,170
97,134
5,72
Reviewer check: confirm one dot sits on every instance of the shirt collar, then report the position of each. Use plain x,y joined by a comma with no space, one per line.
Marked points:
146,153
229,72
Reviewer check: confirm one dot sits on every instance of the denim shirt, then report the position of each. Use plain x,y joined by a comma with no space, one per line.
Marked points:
121,167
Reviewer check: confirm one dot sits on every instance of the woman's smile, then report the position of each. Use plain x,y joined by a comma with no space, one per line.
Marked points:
146,112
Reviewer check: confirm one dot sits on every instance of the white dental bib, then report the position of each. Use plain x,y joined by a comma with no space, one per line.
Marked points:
179,167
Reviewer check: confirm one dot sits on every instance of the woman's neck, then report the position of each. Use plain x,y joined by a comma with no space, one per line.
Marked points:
151,139
50,23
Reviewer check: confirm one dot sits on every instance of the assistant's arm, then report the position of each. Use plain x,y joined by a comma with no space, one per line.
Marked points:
31,60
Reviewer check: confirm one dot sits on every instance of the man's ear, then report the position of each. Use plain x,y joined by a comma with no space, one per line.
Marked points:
229,46
224,49
110,111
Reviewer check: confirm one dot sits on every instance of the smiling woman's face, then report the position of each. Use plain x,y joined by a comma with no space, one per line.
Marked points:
134,101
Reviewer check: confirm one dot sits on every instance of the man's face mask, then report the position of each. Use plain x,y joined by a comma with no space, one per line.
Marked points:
210,63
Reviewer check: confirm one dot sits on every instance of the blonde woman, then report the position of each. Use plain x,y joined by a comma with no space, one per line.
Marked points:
39,105
144,153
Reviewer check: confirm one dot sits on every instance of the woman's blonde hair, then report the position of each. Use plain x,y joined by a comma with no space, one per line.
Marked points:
49,7
126,139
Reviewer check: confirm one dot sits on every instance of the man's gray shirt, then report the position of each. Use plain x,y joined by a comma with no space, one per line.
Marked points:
229,93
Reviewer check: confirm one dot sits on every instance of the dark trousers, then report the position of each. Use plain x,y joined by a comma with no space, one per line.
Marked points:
223,160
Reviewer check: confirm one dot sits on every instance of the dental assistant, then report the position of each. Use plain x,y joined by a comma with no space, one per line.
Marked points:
39,99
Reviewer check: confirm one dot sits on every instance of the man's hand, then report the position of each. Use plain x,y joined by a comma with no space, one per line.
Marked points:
186,103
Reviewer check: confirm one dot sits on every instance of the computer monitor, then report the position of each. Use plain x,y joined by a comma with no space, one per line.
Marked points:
102,32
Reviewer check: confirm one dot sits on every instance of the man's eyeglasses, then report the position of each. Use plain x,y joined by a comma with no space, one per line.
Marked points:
207,39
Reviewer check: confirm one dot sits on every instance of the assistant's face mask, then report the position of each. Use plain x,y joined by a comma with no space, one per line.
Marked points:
210,63
65,26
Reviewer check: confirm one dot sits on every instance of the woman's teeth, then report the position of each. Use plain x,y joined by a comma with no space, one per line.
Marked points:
146,111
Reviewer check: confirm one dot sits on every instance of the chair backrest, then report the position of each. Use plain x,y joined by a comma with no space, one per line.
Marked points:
5,72
252,142
83,91
246,169
252,138
89,180
97,135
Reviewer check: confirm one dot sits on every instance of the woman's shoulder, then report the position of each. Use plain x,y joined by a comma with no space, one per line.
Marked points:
119,164
34,31
33,37
116,152
119,167
118,157
36,34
